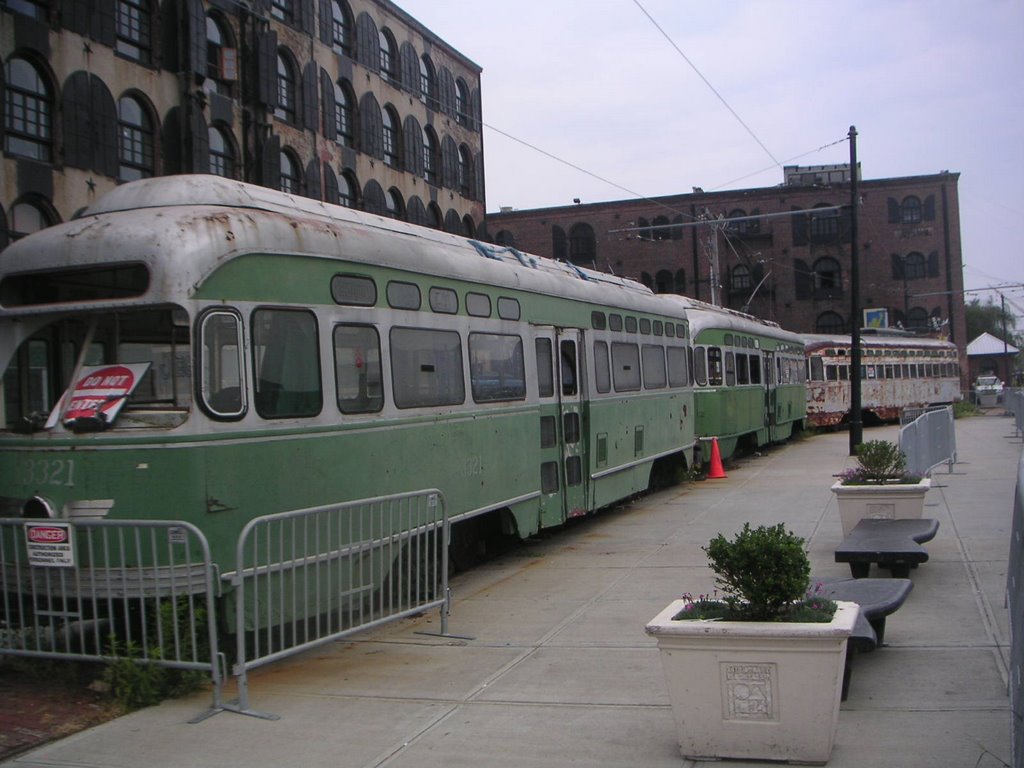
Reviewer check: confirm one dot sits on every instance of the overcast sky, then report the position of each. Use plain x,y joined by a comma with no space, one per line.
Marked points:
931,85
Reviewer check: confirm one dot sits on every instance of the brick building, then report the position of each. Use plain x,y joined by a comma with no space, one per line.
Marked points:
777,257
348,101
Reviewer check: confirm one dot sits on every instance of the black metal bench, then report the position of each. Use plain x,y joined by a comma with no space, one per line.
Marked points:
892,544
877,599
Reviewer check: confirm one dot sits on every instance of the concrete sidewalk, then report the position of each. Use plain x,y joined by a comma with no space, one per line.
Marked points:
559,671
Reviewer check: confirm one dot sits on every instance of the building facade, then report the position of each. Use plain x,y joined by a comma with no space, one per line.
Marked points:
781,253
347,101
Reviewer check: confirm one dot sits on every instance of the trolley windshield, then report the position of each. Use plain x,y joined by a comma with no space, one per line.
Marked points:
96,371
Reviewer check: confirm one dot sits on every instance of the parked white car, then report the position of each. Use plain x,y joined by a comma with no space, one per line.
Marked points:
988,385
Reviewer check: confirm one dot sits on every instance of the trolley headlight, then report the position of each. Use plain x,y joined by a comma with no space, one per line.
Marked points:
38,508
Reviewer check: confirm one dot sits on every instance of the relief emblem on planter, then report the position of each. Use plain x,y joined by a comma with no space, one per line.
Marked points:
748,691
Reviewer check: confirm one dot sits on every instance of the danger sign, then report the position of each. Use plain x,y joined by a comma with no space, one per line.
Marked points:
50,545
101,391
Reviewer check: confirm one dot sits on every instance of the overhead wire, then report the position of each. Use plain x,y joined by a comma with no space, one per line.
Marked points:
653,201
707,82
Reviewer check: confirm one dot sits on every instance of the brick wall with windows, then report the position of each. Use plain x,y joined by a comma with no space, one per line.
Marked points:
783,252
348,101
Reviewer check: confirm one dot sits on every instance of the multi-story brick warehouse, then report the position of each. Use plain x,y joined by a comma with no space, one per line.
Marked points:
348,101
776,257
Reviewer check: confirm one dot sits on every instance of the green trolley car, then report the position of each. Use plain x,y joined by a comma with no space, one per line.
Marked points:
197,349
750,379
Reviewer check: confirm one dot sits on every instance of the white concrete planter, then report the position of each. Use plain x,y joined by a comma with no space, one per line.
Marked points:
754,690
886,500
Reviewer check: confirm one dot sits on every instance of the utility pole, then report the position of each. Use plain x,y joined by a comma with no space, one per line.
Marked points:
712,249
856,424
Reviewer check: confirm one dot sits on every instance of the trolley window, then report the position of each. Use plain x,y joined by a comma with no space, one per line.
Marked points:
567,357
426,367
286,363
730,369
403,295
817,369
496,369
677,366
614,322
354,290
631,325
508,309
742,369
602,371
597,321
755,369
357,369
625,367
221,387
545,369
478,304
653,357
700,366
715,366
443,300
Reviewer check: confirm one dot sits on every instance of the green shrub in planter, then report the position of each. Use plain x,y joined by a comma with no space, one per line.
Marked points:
764,572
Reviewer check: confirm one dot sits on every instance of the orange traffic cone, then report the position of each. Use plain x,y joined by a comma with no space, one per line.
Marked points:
715,471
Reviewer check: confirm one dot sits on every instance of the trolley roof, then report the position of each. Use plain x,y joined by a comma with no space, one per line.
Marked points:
816,341
184,227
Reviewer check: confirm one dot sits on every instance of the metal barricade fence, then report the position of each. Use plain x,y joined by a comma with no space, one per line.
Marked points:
1015,600
929,440
307,577
102,590
1015,405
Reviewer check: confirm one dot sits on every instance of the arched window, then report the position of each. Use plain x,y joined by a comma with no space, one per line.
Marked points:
27,217
917,319
344,114
662,230
347,190
431,156
830,322
468,226
910,210
283,10
221,63
135,139
559,243
341,27
739,279
28,112
647,280
915,266
663,281
291,178
582,245
827,274
392,138
287,101
462,107
680,282
506,238
394,204
222,153
644,227
824,225
387,55
435,217
428,82
465,172
134,33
